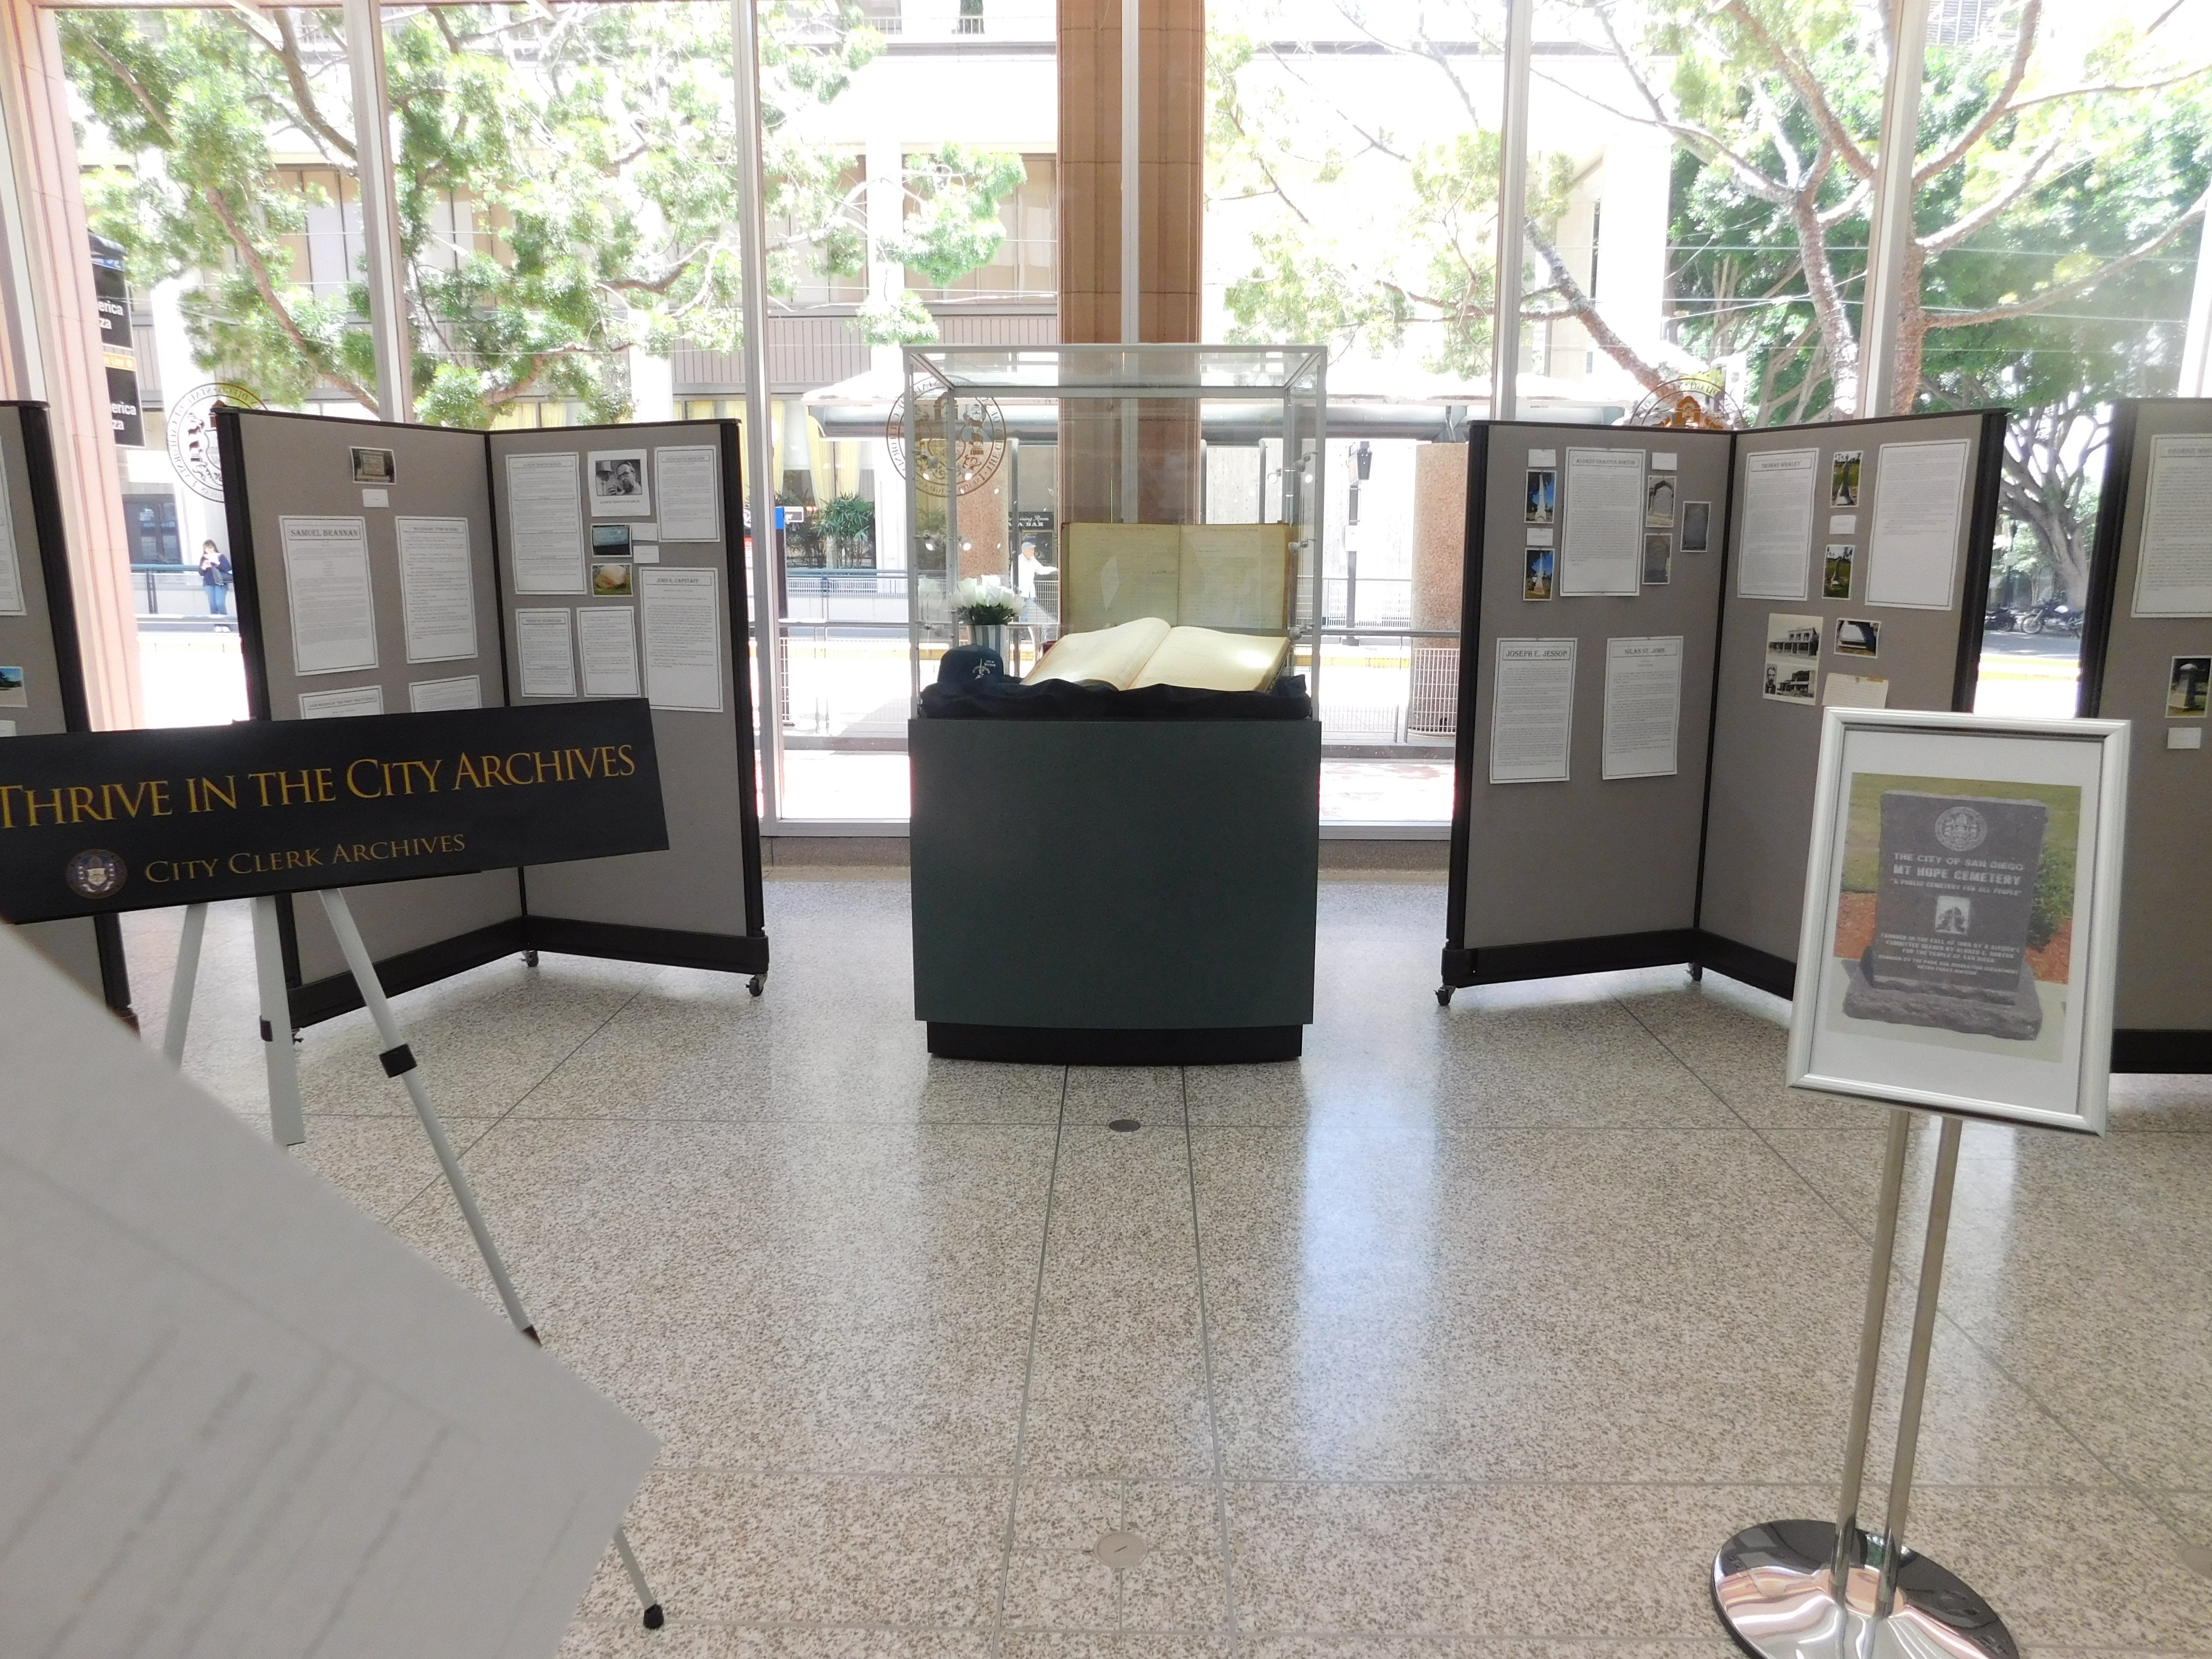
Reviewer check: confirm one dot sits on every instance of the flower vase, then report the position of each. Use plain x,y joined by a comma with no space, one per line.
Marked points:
991,636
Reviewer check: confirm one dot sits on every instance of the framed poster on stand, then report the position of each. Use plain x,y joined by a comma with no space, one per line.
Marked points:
1961,911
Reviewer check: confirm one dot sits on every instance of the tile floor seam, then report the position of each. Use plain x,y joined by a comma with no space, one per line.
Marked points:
1205,1356
461,1153
1945,1321
1029,1377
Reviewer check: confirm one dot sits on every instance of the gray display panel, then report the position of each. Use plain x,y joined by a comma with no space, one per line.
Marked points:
1766,750
1593,866
44,693
701,720
2143,647
303,468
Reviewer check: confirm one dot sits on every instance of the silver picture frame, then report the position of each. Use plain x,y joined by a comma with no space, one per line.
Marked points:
1915,1063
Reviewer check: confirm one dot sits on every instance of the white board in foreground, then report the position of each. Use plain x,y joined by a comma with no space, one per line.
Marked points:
242,1420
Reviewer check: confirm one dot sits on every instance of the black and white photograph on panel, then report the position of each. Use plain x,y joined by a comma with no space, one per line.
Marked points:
1543,494
1859,637
1843,477
374,466
1697,526
1791,673
2185,688
1836,570
619,488
1658,559
611,541
1659,502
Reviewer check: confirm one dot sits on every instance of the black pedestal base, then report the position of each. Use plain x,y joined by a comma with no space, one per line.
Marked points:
1037,1045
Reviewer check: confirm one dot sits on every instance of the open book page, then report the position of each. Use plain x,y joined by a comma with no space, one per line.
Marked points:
1236,575
1200,657
1117,573
1111,655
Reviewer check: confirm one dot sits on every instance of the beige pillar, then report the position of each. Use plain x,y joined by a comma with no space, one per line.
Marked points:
1172,159
53,353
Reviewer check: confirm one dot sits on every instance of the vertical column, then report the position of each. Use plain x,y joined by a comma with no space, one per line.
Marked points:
1169,206
758,435
53,349
1890,232
2196,344
1512,211
379,212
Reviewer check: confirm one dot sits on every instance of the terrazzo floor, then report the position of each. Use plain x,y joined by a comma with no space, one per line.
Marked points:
1475,1333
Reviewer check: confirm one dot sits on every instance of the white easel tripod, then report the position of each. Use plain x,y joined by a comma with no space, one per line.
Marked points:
287,1124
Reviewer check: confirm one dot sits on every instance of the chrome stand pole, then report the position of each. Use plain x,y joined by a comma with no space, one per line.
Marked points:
1850,1542
1802,1590
398,1061
182,984
1915,1365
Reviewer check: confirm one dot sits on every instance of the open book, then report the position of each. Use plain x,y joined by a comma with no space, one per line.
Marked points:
1212,576
1147,652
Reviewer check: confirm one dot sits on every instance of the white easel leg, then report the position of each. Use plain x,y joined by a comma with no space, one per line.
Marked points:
181,985
400,1061
286,1122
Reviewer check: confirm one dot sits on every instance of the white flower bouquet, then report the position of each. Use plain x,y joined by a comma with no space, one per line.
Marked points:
984,602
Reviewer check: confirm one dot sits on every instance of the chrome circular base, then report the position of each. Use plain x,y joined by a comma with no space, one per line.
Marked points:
1773,1587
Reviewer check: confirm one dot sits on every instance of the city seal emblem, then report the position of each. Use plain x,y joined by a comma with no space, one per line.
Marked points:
96,874
1961,829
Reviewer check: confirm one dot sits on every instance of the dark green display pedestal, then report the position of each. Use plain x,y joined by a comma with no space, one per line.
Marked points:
1109,893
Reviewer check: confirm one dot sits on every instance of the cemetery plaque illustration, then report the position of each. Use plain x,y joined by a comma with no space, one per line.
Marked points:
1955,911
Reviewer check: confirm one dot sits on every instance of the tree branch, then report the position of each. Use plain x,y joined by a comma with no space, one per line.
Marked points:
303,94
136,89
1966,225
1807,88
250,257
2051,296
2023,48
1584,311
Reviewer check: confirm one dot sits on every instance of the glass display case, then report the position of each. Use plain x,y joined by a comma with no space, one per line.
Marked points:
1097,484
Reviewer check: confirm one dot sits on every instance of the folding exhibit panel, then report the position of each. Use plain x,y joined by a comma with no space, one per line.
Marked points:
1596,869
387,567
41,675
2146,657
362,598
663,613
1844,562
1919,519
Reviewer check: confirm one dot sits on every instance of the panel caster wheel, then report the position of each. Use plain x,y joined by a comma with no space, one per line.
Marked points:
1443,996
756,984
530,958
655,1619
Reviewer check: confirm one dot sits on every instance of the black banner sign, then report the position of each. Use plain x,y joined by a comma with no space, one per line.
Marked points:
96,822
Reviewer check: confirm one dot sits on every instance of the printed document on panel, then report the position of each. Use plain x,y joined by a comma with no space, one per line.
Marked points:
683,638
1919,494
1602,549
1643,707
2173,572
438,587
1532,711
547,651
606,639
326,579
545,522
691,497
243,1420
1776,541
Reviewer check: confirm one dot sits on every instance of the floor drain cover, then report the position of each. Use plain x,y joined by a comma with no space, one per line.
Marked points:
2197,1558
1124,1125
1120,1550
